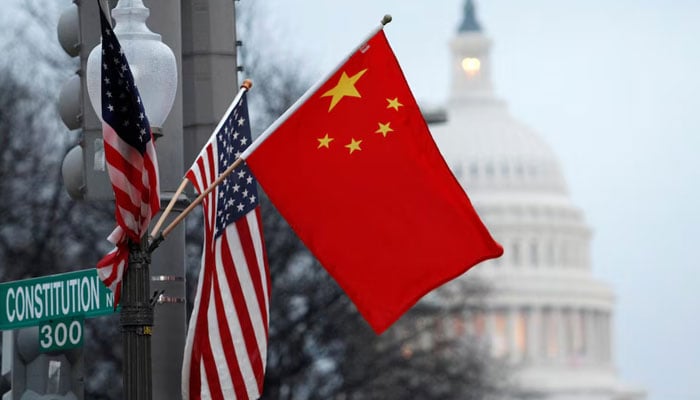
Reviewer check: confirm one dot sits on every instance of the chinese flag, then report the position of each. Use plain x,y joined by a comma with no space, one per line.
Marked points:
355,172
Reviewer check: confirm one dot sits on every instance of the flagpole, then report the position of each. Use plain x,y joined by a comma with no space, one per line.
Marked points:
170,206
279,121
104,9
245,86
195,203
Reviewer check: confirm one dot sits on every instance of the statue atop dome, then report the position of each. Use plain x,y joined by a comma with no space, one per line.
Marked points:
469,22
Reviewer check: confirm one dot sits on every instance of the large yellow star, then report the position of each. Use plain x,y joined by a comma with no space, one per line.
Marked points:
325,142
394,103
384,128
354,145
345,87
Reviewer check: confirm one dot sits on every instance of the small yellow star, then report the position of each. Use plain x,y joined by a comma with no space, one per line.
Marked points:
325,142
394,103
344,87
354,145
384,128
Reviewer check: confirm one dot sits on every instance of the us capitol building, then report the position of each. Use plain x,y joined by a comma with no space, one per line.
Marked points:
546,315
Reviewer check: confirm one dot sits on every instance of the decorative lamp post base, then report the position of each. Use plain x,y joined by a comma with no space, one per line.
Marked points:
137,325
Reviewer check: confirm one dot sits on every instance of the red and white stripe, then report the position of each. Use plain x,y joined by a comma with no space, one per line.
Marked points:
135,182
226,348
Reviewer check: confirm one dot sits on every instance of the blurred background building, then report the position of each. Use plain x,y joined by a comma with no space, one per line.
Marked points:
546,316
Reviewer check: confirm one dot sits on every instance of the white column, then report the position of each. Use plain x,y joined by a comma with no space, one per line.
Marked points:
565,334
561,333
515,353
488,319
591,337
605,327
611,337
534,330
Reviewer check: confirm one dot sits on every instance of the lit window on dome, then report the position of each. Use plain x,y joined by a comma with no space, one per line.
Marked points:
471,66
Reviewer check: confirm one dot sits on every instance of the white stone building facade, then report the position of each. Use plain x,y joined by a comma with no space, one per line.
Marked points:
547,315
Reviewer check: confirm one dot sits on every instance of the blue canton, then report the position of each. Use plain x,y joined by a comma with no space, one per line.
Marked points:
237,195
121,103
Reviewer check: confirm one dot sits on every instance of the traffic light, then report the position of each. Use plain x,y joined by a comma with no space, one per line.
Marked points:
32,375
84,170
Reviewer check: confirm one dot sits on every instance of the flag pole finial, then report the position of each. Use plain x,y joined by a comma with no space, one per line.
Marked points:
386,19
247,84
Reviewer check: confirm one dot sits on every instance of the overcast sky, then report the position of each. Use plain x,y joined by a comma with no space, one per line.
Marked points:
613,87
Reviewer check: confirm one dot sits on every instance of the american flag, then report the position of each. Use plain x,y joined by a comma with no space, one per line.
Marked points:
226,348
130,155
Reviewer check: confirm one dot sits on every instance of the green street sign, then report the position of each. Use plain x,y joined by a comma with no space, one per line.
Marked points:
30,302
62,334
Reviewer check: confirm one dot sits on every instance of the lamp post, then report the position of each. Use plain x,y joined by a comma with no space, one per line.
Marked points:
154,69
151,61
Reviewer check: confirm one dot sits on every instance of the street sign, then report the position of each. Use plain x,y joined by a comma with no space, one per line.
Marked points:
61,334
30,302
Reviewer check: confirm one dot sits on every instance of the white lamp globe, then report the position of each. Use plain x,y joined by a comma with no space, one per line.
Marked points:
151,61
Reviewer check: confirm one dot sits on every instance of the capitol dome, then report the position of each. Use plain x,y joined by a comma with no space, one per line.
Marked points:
489,150
546,315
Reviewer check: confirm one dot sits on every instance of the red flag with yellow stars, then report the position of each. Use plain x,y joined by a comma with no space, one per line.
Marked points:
355,172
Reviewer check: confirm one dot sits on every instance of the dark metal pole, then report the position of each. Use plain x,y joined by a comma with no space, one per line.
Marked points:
136,319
